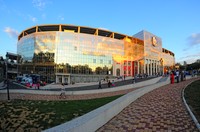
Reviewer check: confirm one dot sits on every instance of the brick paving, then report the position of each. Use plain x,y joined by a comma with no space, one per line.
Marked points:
159,110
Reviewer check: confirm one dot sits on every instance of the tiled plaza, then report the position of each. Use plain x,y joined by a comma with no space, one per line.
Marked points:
159,110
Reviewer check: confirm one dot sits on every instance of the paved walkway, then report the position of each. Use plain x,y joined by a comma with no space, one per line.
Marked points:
52,96
77,86
158,110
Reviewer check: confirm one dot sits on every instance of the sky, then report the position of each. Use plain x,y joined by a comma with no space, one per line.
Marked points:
177,22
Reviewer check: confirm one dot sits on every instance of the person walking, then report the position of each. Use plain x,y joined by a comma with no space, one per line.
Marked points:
38,84
62,94
177,76
182,75
172,77
99,84
109,83
133,80
113,83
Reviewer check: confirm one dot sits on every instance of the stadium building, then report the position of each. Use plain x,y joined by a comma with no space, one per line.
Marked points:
68,53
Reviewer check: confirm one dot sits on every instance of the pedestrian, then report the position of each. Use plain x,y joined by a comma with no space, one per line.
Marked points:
172,77
99,84
177,76
109,83
62,94
182,75
133,81
113,83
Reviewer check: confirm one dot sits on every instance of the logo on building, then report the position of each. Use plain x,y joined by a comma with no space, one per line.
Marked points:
154,41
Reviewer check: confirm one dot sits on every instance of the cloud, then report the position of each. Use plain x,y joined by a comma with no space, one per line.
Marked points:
194,39
11,32
190,58
102,28
43,16
39,4
61,18
33,19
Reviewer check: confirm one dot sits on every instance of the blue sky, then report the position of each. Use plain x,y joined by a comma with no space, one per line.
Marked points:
177,22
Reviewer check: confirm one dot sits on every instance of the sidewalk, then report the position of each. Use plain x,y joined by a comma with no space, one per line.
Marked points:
58,86
74,95
159,110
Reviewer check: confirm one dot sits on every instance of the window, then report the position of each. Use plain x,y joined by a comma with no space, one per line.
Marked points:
101,61
109,62
94,60
75,48
129,72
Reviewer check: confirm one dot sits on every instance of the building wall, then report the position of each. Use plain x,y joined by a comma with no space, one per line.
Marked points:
74,53
72,56
155,61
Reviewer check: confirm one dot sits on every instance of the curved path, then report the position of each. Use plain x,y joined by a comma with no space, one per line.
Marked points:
26,95
159,110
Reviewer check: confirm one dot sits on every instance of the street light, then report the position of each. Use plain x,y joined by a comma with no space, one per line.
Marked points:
7,86
6,65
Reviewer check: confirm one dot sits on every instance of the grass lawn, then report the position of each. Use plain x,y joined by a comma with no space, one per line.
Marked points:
192,96
27,115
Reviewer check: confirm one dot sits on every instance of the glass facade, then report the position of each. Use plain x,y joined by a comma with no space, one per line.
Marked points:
68,56
67,53
86,54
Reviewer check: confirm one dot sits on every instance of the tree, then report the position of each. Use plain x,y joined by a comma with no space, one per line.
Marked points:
198,61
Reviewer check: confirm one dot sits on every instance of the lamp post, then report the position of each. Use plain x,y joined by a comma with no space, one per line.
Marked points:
6,73
7,86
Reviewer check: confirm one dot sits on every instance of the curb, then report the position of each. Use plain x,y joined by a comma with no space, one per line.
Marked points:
188,108
95,119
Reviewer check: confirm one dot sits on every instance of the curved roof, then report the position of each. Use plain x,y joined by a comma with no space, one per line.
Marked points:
167,51
81,29
76,29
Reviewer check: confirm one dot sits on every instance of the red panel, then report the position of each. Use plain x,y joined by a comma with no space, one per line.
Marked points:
133,71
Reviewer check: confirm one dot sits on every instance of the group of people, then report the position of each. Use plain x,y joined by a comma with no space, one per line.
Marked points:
109,84
178,75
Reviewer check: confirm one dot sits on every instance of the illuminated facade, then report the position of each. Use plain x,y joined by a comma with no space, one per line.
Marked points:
67,53
155,59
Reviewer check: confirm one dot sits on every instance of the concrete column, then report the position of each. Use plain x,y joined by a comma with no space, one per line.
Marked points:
127,67
148,66
155,66
63,79
56,78
159,65
131,68
138,67
145,66
150,62
69,79
152,67
163,69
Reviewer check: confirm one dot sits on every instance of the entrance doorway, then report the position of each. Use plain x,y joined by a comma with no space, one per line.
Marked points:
118,72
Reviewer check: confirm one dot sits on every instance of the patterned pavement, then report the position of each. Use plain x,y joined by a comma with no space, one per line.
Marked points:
159,110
